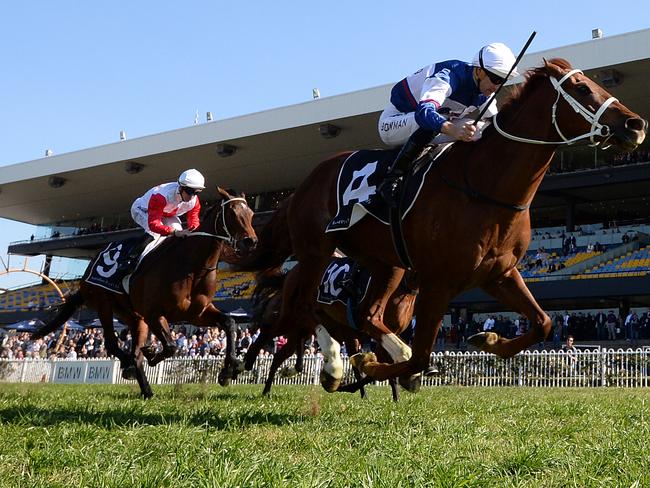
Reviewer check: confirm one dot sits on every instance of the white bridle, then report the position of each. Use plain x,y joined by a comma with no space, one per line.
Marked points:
597,129
228,237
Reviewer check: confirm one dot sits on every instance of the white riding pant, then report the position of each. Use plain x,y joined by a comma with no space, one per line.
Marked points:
396,127
141,217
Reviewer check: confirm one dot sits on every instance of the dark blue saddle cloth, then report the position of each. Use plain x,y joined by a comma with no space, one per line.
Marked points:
330,289
108,269
360,176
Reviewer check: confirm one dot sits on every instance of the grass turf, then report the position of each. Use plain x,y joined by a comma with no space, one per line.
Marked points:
206,436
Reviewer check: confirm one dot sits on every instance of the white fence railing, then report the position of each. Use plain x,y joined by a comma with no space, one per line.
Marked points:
618,368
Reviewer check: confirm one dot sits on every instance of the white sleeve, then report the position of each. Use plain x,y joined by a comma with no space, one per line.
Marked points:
435,90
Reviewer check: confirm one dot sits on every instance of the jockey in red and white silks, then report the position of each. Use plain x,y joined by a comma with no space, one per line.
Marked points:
157,211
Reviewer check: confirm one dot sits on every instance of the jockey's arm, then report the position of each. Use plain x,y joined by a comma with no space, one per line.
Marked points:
193,220
435,91
155,210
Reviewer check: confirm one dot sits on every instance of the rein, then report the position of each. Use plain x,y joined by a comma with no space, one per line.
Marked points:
597,129
228,238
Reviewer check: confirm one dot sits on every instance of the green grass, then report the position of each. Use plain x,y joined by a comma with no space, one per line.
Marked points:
206,436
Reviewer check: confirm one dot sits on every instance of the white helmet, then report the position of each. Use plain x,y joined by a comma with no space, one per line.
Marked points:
192,179
497,58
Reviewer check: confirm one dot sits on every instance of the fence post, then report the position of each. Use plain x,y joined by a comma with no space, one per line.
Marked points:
603,353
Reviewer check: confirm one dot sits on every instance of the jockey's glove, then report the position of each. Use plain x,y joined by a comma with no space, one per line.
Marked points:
182,233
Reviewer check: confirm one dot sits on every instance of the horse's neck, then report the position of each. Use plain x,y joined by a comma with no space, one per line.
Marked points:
204,252
512,171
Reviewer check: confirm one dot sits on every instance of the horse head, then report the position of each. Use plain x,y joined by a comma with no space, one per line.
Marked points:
231,219
584,109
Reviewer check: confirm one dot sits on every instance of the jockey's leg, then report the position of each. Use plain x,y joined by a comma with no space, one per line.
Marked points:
512,291
403,162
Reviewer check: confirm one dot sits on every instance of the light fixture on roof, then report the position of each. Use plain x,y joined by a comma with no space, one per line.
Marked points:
208,116
133,167
56,181
226,150
48,152
596,33
610,78
122,135
315,93
329,131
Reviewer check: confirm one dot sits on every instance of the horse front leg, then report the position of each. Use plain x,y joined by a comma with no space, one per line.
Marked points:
160,328
212,317
139,334
512,291
430,309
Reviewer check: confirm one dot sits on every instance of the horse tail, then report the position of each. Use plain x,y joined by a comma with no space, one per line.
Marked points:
273,245
65,311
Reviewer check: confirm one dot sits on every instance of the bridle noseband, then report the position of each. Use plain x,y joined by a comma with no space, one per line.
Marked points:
597,129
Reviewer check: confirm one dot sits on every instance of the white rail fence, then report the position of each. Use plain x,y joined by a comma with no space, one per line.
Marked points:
613,368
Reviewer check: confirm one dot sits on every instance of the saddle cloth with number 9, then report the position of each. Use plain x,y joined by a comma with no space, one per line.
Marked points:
360,176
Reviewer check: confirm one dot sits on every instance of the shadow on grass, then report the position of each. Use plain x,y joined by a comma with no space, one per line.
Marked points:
34,416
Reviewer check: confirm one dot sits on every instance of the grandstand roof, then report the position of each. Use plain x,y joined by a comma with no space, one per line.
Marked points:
275,148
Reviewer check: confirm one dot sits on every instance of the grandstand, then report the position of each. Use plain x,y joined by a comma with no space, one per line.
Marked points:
589,195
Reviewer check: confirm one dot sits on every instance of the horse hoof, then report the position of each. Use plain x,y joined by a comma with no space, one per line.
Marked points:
411,383
329,383
431,371
362,358
483,340
147,395
148,352
288,372
128,373
224,379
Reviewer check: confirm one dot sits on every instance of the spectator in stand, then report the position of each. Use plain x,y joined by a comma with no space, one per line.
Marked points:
558,322
612,324
601,321
571,353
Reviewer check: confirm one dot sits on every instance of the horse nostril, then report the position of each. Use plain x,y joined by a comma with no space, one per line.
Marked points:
637,124
249,242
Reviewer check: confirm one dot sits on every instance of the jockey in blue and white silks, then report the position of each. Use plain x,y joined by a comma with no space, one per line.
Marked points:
429,96
437,100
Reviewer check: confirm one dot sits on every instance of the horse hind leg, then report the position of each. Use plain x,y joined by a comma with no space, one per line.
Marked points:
332,370
278,358
160,327
512,291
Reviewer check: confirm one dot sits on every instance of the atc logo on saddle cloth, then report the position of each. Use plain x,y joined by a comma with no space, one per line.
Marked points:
360,175
330,289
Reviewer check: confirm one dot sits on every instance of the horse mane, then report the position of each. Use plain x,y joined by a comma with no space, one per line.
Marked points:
534,76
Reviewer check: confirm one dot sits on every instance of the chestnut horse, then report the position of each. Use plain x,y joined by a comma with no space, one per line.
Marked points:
176,281
334,328
470,225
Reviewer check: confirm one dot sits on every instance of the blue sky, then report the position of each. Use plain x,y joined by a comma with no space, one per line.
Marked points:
76,73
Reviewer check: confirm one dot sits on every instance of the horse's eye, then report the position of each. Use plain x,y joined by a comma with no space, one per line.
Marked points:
583,89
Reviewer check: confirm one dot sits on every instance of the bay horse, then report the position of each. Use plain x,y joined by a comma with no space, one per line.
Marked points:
174,282
468,228
331,326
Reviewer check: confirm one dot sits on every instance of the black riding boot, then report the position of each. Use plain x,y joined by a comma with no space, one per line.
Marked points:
402,164
133,256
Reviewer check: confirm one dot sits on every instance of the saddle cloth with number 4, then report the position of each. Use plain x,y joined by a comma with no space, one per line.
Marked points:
360,176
